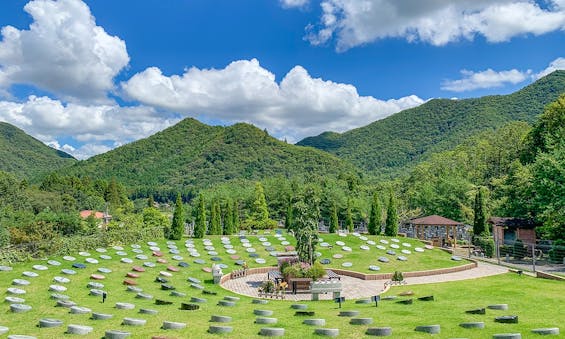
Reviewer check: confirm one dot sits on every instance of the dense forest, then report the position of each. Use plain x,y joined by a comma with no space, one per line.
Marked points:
393,145
223,179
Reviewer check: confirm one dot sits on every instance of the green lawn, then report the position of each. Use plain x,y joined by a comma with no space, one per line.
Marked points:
538,303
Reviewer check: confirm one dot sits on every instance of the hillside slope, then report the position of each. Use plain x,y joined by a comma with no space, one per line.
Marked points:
390,145
193,154
27,157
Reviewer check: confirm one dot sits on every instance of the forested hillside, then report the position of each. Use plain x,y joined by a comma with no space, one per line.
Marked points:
27,157
192,155
400,141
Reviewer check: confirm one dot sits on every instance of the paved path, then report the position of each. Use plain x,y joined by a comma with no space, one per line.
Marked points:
356,288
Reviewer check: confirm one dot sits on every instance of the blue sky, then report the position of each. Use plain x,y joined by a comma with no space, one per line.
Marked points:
88,76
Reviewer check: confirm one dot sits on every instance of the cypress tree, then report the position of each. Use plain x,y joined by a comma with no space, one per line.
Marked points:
288,217
348,217
480,220
334,220
376,216
228,219
391,226
235,213
200,224
260,211
215,220
177,227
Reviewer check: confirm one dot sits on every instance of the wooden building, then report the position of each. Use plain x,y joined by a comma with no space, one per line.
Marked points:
508,230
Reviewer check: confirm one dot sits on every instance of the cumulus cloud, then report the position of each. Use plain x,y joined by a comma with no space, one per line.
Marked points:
485,79
293,3
244,91
355,22
557,64
92,126
63,52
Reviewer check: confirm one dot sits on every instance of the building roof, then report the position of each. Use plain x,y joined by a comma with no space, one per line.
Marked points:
98,215
523,223
435,220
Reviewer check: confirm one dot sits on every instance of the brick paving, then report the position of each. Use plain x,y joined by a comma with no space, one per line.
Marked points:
356,288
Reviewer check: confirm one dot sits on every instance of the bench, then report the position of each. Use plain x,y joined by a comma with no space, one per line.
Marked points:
238,274
300,284
326,286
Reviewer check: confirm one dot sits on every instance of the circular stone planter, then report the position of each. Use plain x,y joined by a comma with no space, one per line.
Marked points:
20,282
48,323
271,332
299,306
134,289
226,303
230,298
379,331
115,334
57,288
507,336
19,308
189,307
501,307
61,280
507,319
315,322
96,285
14,300
30,274
265,313
348,313
546,331
220,329
14,290
432,329
148,311
40,267
134,322
68,271
4,329
361,321
260,301
144,296
220,319
101,316
177,294
477,324
66,303
96,292
79,329
80,310
171,325
327,332
265,320
125,306
197,300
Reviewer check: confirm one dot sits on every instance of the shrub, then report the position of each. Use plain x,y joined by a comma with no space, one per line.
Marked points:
397,276
487,244
268,286
557,252
316,271
518,249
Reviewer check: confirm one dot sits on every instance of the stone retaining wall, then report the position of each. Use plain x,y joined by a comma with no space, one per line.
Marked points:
363,276
545,275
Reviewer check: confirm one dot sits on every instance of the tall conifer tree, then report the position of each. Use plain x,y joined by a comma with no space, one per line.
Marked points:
177,227
480,220
334,222
200,224
391,227
376,216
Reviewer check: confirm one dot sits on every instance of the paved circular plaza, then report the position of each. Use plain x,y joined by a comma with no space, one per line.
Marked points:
354,288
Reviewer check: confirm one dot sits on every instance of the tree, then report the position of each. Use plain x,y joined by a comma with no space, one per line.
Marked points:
376,216
215,219
288,216
348,217
391,225
150,201
228,219
235,213
306,225
334,223
480,226
200,223
177,226
152,217
260,211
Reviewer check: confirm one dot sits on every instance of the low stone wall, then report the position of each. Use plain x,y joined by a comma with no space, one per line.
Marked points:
545,275
257,270
363,276
386,276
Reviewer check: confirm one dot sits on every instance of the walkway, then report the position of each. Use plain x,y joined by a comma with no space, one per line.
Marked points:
356,288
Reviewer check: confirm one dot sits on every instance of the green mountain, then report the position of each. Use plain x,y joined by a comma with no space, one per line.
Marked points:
391,145
192,154
27,157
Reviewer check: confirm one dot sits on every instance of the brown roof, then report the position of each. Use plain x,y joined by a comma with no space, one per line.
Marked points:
435,220
512,222
98,215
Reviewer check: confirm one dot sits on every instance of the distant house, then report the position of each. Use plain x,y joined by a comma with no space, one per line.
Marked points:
98,215
439,230
508,230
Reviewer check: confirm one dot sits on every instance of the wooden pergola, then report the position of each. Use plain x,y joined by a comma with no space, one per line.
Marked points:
420,227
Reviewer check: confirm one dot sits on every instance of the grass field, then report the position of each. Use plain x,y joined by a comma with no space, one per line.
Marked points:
538,303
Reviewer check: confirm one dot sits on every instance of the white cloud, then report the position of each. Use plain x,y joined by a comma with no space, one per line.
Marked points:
63,52
294,3
94,126
438,22
244,91
557,64
485,79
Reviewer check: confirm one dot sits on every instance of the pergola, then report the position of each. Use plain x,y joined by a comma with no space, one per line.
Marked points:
443,230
